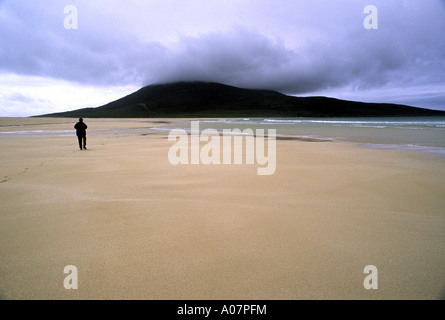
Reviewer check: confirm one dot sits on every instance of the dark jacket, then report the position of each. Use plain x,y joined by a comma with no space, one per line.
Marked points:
81,129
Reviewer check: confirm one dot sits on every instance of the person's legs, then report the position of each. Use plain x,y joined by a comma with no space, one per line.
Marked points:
85,142
79,138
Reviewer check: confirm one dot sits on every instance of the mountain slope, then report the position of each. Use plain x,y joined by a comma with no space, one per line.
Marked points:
203,99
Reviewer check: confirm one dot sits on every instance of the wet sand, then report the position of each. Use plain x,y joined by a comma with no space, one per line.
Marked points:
138,227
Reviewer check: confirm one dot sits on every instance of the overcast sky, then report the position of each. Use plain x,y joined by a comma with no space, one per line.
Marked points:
52,59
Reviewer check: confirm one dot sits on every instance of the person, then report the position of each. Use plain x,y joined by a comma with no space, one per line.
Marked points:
81,132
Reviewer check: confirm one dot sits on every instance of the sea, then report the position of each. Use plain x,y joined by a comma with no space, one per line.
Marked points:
421,134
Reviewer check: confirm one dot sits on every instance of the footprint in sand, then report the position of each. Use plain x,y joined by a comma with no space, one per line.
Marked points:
24,171
5,179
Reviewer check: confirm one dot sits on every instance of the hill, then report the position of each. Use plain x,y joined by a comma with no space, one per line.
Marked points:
207,99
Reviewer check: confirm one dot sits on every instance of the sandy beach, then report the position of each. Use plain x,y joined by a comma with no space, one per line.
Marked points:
138,227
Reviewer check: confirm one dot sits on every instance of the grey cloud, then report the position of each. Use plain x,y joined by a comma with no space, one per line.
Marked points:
405,50
34,42
249,59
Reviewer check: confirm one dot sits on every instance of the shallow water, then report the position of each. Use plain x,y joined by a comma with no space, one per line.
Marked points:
423,134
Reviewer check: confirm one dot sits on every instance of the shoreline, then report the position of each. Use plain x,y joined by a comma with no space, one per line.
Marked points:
168,124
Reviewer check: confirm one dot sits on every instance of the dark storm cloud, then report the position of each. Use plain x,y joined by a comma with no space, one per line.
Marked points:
249,59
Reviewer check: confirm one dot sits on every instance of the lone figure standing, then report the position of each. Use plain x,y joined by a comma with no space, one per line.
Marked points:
81,132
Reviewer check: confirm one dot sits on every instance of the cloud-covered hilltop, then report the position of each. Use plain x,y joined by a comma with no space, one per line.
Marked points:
210,99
